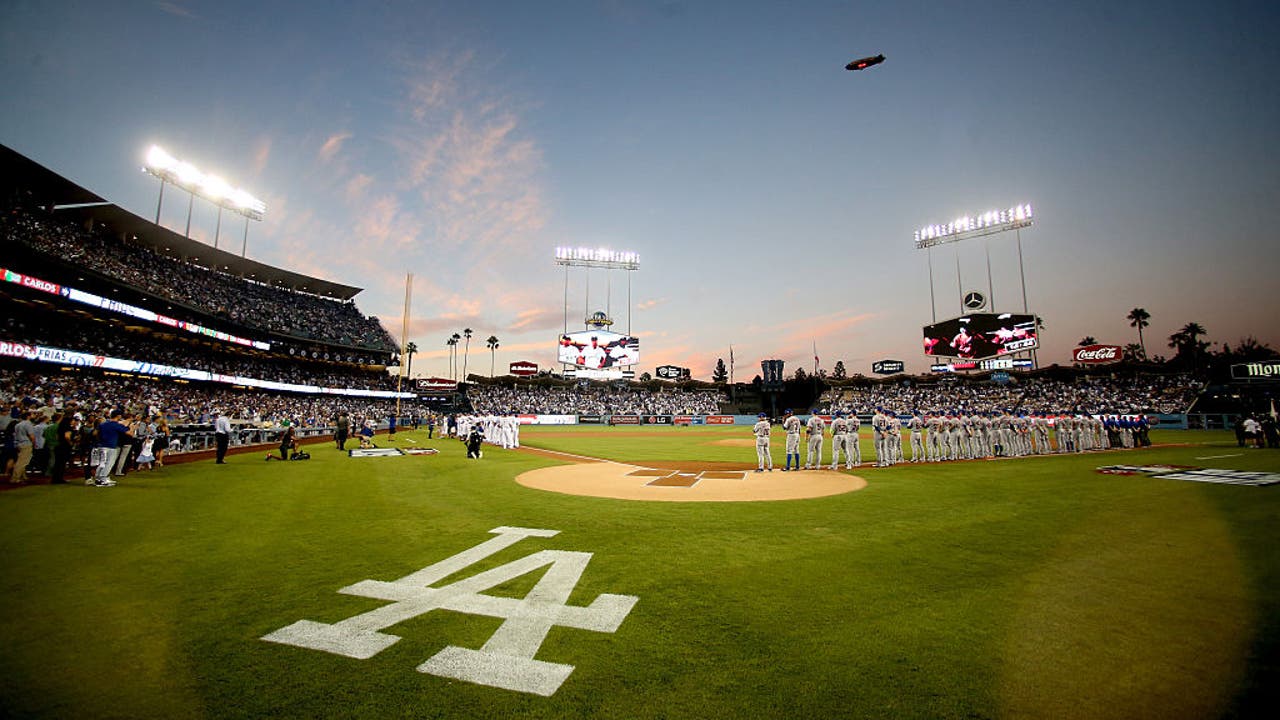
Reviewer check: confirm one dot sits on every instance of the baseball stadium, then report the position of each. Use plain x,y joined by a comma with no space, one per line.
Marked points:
1050,570
776,409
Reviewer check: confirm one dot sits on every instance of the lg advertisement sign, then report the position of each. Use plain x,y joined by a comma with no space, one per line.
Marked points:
1097,354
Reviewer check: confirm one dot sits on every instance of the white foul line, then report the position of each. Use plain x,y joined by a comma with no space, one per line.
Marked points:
1215,457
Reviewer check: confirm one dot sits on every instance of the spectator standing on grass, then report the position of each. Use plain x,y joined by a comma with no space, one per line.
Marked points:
1270,433
8,438
24,440
51,440
68,435
113,437
88,443
162,441
221,435
1252,431
342,430
39,454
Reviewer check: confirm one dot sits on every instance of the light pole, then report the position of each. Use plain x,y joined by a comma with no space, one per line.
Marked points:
210,187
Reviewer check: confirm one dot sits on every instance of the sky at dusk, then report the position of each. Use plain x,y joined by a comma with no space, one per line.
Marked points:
770,193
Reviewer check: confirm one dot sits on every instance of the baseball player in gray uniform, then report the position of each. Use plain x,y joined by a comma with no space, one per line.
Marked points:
916,425
839,433
853,442
761,430
880,429
815,427
791,425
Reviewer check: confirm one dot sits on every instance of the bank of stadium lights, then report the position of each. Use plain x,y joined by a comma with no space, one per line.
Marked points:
598,258
968,226
210,187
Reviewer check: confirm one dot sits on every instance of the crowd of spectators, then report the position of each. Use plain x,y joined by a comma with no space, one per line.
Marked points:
1089,395
185,403
237,300
114,340
593,400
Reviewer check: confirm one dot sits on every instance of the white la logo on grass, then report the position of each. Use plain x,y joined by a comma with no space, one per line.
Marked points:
507,659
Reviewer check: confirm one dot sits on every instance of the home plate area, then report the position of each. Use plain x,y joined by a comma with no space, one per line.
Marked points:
686,482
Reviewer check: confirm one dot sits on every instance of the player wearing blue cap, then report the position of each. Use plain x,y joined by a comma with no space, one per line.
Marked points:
792,427
916,425
816,426
839,435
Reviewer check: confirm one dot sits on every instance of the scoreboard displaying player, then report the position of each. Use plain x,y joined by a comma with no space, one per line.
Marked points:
981,335
599,349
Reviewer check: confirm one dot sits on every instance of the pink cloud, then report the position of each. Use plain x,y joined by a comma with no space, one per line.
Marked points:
261,153
356,187
332,145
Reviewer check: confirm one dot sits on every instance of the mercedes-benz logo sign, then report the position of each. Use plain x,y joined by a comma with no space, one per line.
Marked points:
974,300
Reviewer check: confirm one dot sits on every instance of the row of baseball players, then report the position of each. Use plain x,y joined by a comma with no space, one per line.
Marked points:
942,437
500,430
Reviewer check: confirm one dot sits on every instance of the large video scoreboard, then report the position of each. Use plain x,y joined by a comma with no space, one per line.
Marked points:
981,335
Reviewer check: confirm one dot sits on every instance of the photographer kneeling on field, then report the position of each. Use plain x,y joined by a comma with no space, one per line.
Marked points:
474,440
287,444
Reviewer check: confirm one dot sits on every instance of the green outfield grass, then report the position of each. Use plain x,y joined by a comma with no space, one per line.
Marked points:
1012,588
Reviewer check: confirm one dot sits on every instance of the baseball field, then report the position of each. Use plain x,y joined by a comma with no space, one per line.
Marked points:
641,573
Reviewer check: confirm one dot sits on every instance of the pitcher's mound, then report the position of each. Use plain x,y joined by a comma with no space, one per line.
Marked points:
687,484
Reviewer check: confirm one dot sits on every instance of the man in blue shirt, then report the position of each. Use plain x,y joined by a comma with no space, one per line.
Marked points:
111,435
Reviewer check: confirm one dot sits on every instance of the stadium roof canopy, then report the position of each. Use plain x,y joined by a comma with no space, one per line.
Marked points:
69,199
18,172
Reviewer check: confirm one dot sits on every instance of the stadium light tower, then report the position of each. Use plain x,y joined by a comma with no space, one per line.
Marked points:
600,257
972,226
210,187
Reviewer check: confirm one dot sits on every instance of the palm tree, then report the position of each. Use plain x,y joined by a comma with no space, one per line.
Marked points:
1139,317
1134,351
1185,342
1088,340
411,349
492,342
452,342
466,353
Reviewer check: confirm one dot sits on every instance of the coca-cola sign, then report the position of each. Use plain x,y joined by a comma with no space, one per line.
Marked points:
523,368
1097,354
